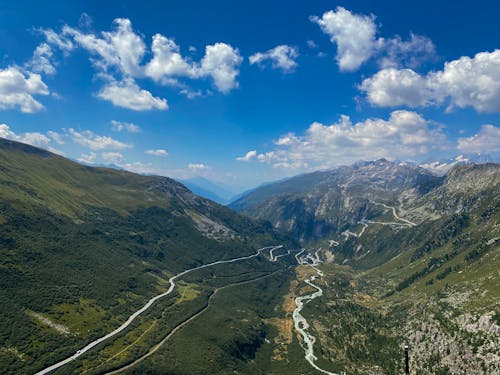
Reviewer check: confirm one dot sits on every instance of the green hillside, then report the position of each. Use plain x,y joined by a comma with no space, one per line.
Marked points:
406,258
81,248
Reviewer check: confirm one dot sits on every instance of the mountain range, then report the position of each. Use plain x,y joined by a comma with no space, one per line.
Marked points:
316,205
441,166
402,256
419,254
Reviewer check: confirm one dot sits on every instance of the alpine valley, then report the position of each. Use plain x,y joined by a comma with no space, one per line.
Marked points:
106,271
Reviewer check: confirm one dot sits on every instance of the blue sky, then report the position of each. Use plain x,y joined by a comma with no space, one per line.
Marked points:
246,92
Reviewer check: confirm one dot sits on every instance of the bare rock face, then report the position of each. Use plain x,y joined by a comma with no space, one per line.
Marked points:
322,204
465,344
319,204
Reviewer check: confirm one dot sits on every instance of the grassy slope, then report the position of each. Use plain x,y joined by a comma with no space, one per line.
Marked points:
83,247
121,235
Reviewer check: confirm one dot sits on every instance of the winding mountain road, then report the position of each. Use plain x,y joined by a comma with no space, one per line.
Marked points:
134,316
395,214
155,348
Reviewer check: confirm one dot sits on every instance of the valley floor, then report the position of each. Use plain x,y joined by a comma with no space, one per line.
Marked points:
297,308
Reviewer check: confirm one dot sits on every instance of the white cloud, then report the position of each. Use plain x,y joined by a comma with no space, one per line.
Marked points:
197,167
158,152
96,142
121,48
56,137
409,53
286,139
138,167
191,94
167,62
41,62
221,62
118,56
281,57
87,158
465,82
122,51
248,156
119,126
393,87
487,140
112,157
471,82
355,38
32,138
353,34
60,41
404,135
17,90
127,94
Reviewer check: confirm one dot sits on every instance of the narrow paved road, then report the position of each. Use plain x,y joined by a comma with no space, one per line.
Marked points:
132,317
155,348
395,214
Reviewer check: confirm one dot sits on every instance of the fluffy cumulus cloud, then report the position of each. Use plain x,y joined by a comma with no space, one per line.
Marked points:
355,36
167,62
281,57
404,135
158,152
17,90
248,156
119,126
119,57
394,87
465,82
96,142
121,48
473,82
128,94
487,140
221,62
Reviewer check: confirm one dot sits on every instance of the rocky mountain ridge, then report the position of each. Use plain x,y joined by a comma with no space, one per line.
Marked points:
319,204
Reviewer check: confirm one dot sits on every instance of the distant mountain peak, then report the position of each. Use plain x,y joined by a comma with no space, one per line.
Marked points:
441,166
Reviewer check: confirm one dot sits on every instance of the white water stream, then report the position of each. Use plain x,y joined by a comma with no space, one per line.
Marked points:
300,323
